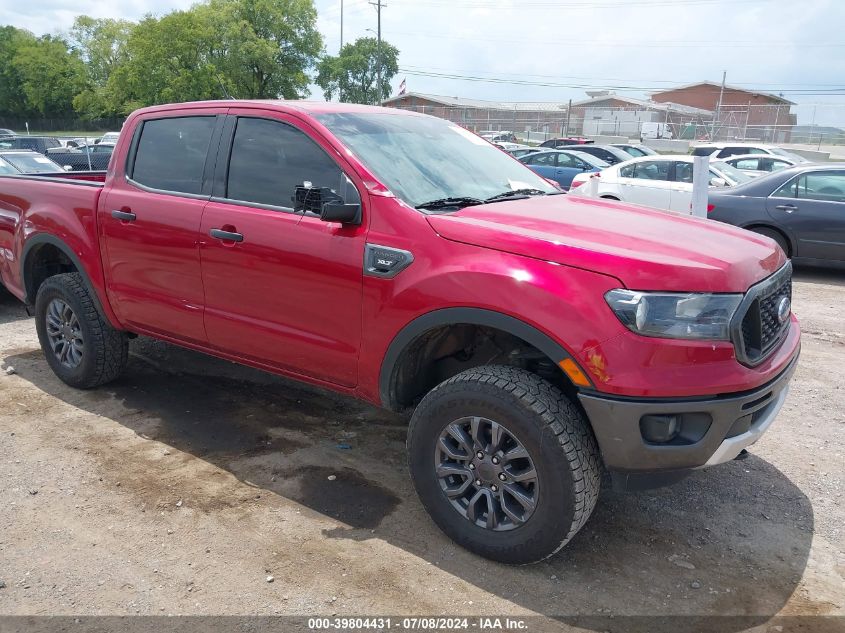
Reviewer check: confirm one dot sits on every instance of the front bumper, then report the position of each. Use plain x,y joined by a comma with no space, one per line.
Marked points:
727,424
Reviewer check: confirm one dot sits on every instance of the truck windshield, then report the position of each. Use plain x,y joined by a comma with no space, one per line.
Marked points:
422,158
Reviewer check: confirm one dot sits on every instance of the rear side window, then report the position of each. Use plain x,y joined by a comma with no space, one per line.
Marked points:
683,172
748,163
702,151
647,170
542,159
171,153
270,159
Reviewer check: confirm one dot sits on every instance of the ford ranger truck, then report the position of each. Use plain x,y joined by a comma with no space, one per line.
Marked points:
398,258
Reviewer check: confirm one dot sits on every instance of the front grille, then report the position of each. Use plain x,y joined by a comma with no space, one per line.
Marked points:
760,330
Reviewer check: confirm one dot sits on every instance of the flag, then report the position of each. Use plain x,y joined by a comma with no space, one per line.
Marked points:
402,87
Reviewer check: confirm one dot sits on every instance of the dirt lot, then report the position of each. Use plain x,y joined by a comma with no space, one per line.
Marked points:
182,487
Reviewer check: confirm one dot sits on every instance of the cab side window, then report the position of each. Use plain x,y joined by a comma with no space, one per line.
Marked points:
270,159
172,152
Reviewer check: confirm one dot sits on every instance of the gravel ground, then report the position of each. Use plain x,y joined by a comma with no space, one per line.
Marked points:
194,486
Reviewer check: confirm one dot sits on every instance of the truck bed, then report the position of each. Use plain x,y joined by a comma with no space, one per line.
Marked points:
67,200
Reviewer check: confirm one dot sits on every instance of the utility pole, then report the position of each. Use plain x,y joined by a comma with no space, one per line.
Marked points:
378,5
566,125
716,118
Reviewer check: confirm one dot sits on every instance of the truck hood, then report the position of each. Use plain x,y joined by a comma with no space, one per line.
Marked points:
644,248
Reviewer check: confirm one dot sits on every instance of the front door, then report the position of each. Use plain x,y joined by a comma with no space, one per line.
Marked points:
282,287
149,225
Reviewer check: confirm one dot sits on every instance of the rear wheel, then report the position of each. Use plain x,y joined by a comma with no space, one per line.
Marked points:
777,236
504,463
80,346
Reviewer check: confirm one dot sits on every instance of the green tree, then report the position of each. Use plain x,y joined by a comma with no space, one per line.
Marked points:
168,60
12,98
102,44
265,48
50,75
353,74
244,48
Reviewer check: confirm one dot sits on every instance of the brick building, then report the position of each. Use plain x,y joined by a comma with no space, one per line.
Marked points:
743,113
479,115
616,115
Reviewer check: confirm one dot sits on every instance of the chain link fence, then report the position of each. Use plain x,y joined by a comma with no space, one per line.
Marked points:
537,122
51,125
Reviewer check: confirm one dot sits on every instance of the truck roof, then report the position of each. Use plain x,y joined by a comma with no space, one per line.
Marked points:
311,107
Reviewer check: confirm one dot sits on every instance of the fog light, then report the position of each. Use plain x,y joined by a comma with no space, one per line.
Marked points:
659,429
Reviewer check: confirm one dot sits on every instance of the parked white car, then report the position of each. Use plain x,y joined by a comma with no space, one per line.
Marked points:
660,182
726,150
759,164
109,137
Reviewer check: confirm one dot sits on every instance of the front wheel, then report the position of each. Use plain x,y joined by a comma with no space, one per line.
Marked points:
504,463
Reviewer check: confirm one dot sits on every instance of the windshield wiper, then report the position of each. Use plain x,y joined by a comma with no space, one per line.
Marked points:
447,203
516,194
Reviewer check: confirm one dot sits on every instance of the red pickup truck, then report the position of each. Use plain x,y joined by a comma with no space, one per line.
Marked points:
400,259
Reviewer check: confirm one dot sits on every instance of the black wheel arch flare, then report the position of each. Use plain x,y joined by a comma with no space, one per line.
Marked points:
459,316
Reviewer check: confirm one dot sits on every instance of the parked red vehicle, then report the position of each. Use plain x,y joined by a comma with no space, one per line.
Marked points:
399,259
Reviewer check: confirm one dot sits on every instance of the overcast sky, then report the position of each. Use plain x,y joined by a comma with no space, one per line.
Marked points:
641,45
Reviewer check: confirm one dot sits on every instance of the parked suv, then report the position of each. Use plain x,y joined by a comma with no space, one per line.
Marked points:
535,339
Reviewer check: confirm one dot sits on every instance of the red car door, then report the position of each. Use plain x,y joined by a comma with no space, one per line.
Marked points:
149,224
282,287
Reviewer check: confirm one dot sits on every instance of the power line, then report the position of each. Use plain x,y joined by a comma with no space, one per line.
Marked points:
548,84
622,44
674,82
587,5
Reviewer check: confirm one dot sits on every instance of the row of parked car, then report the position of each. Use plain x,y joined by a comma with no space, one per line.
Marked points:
68,154
766,189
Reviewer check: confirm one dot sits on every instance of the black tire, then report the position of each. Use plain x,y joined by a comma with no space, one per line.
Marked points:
556,436
777,236
105,350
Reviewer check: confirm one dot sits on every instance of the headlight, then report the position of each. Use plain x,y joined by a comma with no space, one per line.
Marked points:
675,315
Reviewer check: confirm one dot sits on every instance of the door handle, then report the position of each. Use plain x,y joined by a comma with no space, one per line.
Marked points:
789,208
123,216
227,236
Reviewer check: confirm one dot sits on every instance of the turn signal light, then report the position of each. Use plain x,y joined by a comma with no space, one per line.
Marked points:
571,369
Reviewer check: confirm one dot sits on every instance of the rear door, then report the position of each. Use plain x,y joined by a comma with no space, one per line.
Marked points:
282,287
680,198
812,207
646,182
149,223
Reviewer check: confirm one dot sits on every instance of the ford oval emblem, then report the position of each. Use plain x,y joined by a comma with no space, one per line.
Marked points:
784,306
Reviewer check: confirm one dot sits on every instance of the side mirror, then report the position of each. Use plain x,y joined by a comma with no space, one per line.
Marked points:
718,182
327,204
67,168
339,211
